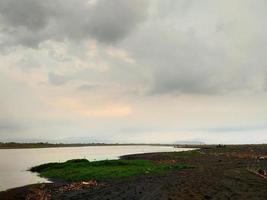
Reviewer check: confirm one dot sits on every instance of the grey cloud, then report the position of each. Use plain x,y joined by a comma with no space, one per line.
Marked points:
186,61
236,128
181,63
171,56
180,83
169,7
9,126
56,79
33,21
113,20
31,14
88,87
173,47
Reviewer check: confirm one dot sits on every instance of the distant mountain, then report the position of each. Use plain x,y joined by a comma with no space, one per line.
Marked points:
191,142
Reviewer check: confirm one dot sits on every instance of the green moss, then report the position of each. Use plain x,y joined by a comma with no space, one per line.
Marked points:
78,170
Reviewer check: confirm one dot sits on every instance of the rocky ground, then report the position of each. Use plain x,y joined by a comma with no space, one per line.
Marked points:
232,172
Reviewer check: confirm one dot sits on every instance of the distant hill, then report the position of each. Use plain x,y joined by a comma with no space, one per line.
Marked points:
191,142
15,145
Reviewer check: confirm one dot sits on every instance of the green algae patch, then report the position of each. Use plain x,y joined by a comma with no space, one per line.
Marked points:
82,169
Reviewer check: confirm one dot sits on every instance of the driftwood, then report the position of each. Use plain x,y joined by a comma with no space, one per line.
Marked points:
257,173
259,167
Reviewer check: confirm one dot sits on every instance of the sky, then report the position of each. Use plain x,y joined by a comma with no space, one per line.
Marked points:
136,71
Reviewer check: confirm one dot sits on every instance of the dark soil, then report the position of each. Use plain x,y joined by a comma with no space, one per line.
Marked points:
218,173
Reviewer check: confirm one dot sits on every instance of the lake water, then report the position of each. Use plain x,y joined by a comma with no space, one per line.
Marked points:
15,162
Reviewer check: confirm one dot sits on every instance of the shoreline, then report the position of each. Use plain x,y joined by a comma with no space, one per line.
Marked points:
14,170
41,145
215,170
58,181
13,145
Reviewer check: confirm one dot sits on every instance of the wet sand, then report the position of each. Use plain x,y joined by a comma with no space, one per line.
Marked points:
218,173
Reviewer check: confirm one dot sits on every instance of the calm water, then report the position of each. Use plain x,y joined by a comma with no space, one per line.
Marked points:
15,162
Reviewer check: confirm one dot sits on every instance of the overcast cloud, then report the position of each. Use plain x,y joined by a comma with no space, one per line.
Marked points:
30,22
133,70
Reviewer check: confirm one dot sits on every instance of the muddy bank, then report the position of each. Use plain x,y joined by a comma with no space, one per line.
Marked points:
218,173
